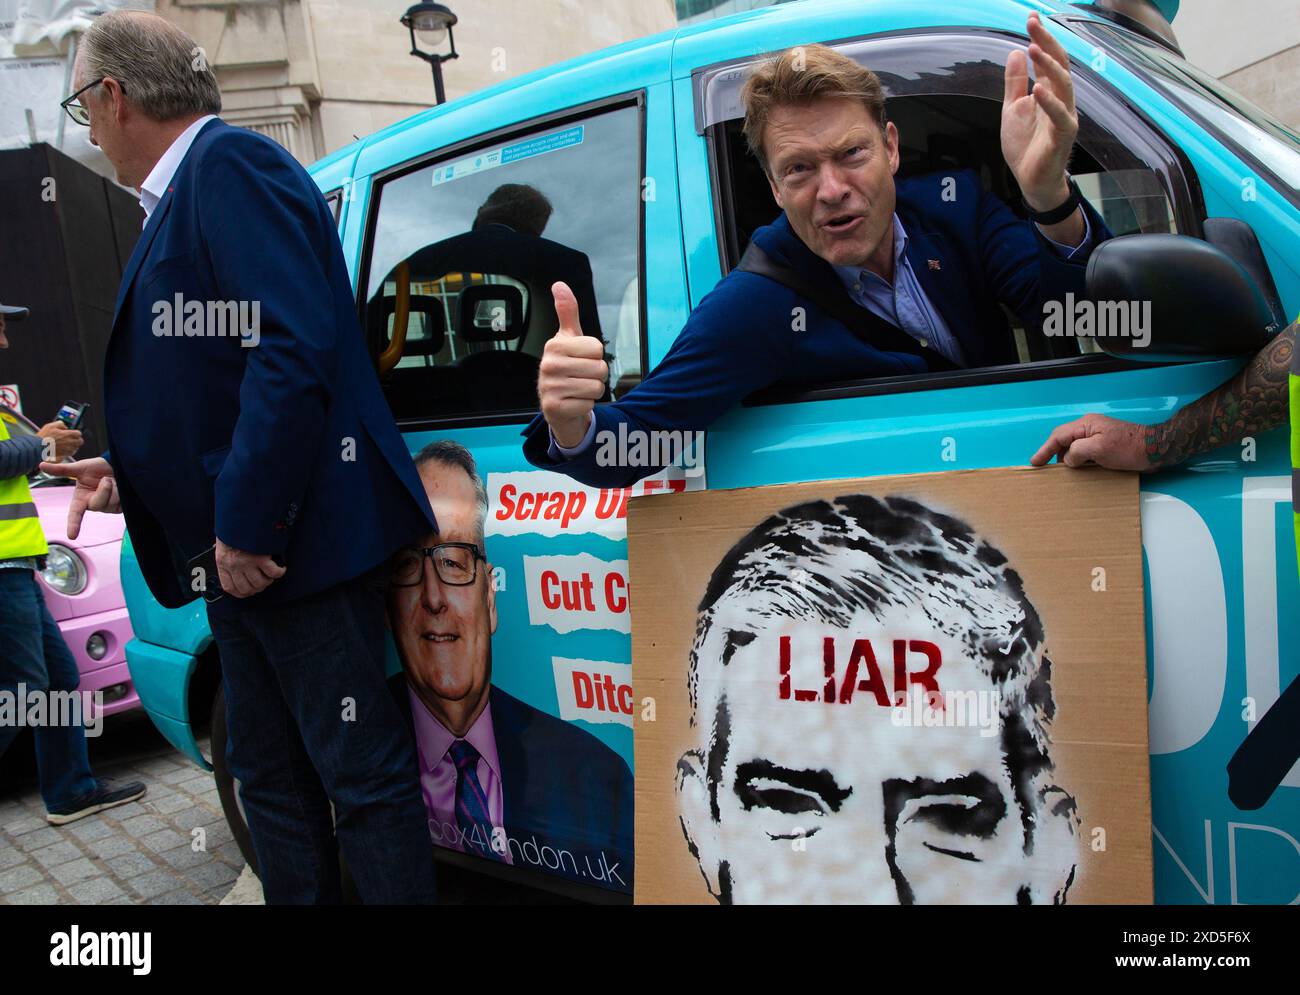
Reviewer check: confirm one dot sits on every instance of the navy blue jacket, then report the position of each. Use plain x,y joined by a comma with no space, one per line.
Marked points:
284,448
740,337
21,455
560,787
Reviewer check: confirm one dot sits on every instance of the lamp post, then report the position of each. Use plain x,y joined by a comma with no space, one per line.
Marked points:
431,23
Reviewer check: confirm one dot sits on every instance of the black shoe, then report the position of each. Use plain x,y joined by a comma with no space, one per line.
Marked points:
106,795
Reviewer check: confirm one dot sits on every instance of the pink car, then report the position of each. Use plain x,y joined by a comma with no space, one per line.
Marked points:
82,587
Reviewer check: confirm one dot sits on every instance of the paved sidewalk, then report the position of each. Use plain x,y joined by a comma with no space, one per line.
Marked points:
142,853
247,890
137,854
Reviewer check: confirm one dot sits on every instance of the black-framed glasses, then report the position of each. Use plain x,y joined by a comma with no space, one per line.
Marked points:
78,111
455,562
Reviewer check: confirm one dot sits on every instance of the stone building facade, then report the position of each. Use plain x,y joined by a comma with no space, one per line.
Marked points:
313,74
1252,45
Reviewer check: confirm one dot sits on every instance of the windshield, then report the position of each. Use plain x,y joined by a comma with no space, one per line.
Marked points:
17,426
1258,138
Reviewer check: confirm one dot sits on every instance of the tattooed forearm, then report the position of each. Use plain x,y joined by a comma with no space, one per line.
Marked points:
1255,400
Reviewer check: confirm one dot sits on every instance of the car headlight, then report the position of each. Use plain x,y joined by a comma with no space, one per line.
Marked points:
64,571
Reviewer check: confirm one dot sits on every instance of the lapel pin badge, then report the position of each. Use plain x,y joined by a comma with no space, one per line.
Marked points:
934,263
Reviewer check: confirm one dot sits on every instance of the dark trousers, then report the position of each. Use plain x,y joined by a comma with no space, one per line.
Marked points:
33,653
311,722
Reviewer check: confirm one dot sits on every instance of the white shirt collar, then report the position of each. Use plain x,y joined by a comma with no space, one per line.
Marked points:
160,178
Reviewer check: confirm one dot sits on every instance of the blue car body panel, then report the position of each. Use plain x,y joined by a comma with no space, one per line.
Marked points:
163,655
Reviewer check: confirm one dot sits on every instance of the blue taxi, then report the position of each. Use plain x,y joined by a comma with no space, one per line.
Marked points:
639,154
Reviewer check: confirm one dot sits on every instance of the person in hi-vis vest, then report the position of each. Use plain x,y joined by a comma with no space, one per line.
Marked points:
35,662
1253,401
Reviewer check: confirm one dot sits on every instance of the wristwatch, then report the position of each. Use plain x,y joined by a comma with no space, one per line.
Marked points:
1057,214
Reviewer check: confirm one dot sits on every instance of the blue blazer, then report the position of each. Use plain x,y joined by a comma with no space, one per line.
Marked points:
286,447
560,787
739,339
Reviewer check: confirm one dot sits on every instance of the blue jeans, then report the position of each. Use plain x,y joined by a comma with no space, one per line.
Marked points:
32,652
311,722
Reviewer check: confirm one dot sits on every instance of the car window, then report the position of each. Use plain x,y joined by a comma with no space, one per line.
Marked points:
1251,132
335,201
458,303
945,97
17,427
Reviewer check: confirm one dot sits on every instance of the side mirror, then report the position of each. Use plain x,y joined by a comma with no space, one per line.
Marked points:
1186,298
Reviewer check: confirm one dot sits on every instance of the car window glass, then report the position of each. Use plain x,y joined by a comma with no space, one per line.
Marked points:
17,427
458,302
1251,131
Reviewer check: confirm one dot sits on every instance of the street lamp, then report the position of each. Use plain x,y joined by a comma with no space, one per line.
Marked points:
431,23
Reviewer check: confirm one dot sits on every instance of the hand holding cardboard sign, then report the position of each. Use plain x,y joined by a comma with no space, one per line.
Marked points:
572,375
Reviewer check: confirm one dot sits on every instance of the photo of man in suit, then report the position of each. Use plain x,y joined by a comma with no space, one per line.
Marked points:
501,779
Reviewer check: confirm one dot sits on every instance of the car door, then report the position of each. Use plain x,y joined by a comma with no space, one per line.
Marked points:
464,234
1220,639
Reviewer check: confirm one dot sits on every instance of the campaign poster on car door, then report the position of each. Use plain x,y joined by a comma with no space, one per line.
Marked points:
902,690
510,652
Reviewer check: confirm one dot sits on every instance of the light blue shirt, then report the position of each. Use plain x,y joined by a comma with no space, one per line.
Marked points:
905,305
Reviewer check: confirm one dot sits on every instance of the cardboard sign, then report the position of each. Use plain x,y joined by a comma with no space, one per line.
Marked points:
913,689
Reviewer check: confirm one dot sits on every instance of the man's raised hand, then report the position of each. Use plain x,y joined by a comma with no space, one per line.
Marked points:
96,489
573,373
1039,126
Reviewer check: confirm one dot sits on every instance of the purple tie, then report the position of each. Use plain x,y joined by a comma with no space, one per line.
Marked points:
471,803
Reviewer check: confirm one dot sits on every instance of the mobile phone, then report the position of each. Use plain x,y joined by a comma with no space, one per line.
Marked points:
73,413
203,576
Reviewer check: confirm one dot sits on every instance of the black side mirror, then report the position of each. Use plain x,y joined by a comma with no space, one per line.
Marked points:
1185,298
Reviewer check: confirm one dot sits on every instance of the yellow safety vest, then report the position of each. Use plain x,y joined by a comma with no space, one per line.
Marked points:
20,528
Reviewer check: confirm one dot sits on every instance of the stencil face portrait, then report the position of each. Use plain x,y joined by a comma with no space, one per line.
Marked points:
807,784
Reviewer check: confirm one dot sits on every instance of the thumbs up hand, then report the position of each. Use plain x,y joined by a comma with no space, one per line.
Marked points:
573,373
